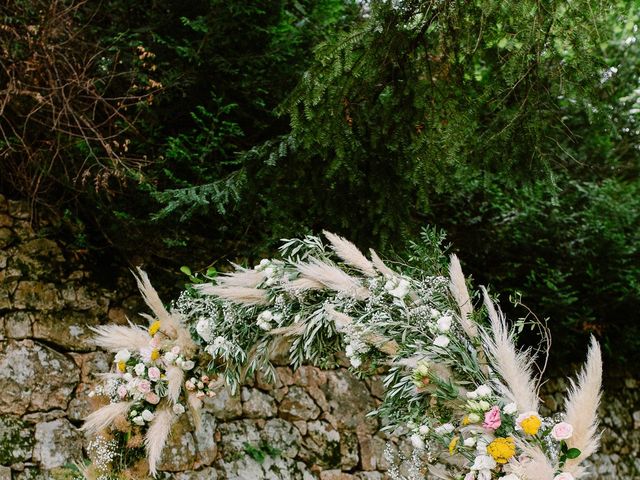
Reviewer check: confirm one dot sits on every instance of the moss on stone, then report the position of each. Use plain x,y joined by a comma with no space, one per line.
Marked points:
16,440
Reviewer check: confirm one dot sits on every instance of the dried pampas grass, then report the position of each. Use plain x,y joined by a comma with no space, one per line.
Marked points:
241,295
151,298
514,367
118,337
350,254
458,288
105,416
175,377
380,265
242,277
157,436
582,409
333,278
533,464
340,319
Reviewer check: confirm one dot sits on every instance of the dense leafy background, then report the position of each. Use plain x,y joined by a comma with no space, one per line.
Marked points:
510,125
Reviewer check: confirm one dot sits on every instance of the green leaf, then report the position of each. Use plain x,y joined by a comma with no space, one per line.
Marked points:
186,270
573,453
211,272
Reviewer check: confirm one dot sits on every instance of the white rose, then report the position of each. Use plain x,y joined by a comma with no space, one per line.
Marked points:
417,442
263,264
147,416
441,341
204,329
139,369
265,316
127,377
123,356
484,405
187,365
401,290
178,409
355,362
348,350
424,429
469,442
444,323
170,357
510,408
562,431
473,418
472,395
444,429
483,391
483,462
138,420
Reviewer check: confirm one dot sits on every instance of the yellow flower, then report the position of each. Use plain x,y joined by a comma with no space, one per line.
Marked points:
154,327
502,449
465,420
452,445
155,354
529,422
122,366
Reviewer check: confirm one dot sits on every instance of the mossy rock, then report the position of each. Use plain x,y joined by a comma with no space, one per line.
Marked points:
16,440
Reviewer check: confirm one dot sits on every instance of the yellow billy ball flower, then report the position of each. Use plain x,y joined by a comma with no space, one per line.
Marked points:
529,422
122,366
452,445
502,449
155,354
154,327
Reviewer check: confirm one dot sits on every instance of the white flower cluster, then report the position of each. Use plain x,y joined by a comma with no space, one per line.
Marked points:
221,347
397,287
271,269
267,320
102,452
354,350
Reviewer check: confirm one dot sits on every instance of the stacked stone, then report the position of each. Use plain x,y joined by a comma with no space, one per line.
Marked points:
310,424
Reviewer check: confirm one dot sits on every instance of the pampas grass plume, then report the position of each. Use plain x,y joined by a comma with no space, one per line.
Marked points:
350,254
458,288
333,278
582,409
105,416
515,368
118,337
241,295
157,436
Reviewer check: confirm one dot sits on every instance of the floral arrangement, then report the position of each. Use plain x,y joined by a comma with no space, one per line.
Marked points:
455,381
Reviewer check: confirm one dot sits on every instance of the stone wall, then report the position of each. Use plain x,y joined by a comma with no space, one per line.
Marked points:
310,424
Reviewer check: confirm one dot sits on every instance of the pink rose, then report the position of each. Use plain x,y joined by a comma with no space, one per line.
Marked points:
152,398
122,391
144,386
154,374
562,431
563,476
492,418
